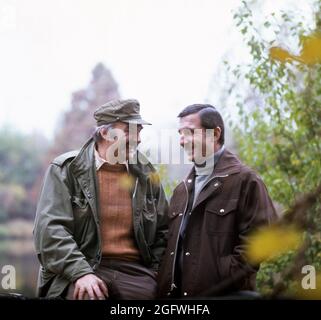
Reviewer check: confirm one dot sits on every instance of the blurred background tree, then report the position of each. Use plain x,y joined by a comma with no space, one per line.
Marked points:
20,160
77,124
279,132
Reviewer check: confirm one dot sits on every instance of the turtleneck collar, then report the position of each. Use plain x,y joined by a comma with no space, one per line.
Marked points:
207,167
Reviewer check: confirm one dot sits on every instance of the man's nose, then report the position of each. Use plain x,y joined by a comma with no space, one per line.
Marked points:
138,139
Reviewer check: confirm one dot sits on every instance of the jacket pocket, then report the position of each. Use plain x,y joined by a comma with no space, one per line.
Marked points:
149,226
149,219
149,208
220,217
81,211
80,206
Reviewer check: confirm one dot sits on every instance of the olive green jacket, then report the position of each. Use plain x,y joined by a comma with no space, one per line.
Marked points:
66,232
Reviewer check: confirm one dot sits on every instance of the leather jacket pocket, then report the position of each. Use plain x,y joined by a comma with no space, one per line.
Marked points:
149,220
81,210
80,206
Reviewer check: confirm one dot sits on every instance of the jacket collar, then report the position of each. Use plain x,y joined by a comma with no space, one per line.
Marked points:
84,161
227,165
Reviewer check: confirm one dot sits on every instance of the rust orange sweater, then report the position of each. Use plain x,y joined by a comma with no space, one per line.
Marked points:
116,217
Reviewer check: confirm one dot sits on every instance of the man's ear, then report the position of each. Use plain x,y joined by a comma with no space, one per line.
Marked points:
106,135
217,134
103,133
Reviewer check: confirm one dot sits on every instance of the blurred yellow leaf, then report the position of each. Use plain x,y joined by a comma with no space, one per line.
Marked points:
154,178
269,242
126,182
162,171
280,54
310,52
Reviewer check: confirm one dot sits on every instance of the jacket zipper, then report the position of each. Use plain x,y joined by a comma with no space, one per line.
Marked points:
136,183
95,266
134,205
97,223
179,230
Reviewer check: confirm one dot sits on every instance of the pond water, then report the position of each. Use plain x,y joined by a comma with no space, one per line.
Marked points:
20,253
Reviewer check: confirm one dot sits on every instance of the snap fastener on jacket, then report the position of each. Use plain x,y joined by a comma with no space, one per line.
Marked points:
187,254
216,184
172,253
189,180
222,210
185,293
180,214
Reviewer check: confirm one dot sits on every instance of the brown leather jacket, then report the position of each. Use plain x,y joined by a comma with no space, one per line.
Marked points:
231,204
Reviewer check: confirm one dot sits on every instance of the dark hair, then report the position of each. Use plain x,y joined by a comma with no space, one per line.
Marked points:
210,117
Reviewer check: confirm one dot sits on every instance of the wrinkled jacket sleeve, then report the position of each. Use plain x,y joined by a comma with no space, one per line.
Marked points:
160,242
53,230
255,209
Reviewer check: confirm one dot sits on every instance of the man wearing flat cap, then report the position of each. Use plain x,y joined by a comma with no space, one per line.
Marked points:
101,222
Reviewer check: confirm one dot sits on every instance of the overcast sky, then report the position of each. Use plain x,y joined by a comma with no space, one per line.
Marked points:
161,52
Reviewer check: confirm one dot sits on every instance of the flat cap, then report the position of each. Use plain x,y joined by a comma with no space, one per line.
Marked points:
119,110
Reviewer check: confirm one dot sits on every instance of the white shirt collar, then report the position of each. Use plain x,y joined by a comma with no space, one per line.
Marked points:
99,161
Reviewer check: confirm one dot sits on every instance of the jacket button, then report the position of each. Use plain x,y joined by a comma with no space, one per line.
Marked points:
189,180
222,210
216,184
185,293
180,214
187,254
168,293
172,253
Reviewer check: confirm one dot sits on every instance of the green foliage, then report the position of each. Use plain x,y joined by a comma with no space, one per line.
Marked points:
269,273
280,135
20,163
167,183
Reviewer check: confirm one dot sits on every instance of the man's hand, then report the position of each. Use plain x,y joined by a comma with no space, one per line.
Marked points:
92,286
